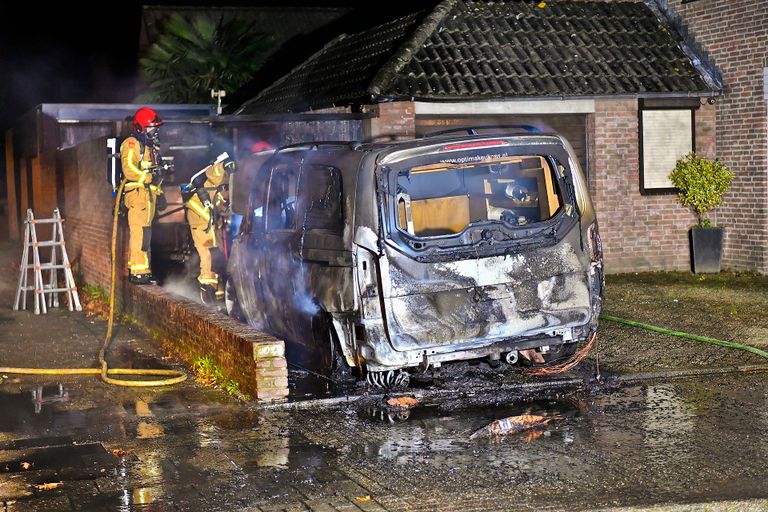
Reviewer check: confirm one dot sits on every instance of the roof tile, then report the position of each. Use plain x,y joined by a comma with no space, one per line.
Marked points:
475,49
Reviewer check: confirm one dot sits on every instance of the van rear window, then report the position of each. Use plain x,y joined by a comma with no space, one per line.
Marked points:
444,198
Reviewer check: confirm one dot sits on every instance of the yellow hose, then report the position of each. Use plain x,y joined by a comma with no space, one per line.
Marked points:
176,376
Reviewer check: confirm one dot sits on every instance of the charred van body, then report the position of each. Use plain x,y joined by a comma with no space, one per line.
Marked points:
405,255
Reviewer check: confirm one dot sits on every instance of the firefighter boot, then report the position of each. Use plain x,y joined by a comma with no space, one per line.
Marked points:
208,294
142,278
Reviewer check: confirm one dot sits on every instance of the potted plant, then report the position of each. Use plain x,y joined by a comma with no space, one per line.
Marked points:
702,183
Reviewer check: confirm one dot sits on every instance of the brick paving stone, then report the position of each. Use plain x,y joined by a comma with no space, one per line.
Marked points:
344,504
318,505
370,506
297,507
273,508
58,504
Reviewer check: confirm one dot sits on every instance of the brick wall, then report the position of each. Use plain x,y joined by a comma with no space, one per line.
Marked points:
640,233
86,205
256,361
735,34
390,121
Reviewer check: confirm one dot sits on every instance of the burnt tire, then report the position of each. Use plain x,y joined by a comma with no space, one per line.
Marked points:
231,302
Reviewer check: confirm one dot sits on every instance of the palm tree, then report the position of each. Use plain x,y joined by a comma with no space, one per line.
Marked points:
193,56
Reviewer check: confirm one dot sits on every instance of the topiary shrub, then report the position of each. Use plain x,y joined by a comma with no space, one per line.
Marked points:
702,184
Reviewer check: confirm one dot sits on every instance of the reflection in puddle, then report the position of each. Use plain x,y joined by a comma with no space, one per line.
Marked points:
48,395
439,434
146,430
640,439
274,454
144,495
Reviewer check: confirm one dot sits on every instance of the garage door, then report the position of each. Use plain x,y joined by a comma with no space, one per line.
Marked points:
573,127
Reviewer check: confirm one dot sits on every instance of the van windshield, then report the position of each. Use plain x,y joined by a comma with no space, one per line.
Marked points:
443,199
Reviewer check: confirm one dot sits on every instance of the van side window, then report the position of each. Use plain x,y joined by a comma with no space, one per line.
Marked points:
254,221
324,200
282,199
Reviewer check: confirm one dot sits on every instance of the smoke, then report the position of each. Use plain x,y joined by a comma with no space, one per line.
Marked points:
302,300
183,287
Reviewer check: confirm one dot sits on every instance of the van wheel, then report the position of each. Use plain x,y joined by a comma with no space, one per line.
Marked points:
231,302
560,353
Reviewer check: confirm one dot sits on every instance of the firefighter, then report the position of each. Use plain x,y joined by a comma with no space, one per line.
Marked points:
141,163
204,199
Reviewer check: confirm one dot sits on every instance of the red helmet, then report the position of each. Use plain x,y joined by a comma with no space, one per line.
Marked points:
144,118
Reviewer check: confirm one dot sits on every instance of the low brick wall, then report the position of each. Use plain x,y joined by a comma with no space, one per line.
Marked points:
254,360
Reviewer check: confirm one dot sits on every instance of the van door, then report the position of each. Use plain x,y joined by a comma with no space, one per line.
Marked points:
284,286
481,249
246,261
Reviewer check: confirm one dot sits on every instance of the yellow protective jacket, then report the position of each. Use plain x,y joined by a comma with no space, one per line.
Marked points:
136,165
198,215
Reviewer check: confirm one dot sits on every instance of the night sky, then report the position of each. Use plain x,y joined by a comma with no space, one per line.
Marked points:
57,53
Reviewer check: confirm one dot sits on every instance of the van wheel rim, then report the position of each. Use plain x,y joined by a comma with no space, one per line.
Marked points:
229,300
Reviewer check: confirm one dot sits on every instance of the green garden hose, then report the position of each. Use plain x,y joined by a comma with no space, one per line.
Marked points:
679,334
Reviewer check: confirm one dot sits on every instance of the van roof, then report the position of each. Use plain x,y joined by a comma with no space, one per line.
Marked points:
428,140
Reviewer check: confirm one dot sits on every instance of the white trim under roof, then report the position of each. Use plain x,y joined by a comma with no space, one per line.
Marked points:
582,106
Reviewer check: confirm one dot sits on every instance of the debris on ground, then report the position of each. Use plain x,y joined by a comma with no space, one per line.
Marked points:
513,425
402,402
48,486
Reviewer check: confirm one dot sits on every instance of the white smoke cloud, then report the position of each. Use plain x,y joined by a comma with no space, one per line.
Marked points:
183,287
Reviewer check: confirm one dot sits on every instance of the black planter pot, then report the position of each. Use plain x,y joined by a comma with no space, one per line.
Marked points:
706,249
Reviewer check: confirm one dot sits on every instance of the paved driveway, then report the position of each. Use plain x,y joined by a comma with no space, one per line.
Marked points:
628,441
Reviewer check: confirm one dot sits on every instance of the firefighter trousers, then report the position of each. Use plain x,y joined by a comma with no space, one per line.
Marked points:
204,241
140,203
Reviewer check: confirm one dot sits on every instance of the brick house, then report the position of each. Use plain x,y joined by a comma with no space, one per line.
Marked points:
735,35
623,81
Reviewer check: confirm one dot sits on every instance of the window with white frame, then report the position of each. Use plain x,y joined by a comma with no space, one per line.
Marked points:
666,135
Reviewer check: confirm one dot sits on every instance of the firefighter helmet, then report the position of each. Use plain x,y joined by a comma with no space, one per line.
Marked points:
144,118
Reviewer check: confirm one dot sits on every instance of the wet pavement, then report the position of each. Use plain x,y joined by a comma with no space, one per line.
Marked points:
625,443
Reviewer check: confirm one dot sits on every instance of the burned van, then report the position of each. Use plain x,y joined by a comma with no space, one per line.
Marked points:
403,256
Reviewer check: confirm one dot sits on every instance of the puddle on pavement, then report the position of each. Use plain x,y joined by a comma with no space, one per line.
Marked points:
68,461
173,440
565,407
305,385
35,409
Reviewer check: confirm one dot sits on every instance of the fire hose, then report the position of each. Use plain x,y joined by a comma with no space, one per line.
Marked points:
172,376
685,335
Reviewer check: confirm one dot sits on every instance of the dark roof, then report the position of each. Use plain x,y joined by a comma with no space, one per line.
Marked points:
477,50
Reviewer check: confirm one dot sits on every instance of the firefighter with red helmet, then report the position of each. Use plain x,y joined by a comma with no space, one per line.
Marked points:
141,163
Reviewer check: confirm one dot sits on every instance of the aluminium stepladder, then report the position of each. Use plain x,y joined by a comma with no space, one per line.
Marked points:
46,293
